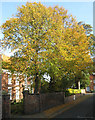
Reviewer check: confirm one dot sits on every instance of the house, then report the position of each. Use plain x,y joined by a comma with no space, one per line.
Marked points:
14,84
91,87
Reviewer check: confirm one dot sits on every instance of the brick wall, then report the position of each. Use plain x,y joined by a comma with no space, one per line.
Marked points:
31,103
50,100
71,98
5,82
39,102
6,108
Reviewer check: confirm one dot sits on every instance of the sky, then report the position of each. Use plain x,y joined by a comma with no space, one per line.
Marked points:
83,11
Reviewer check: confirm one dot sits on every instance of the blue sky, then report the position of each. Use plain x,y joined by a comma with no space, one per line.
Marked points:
83,11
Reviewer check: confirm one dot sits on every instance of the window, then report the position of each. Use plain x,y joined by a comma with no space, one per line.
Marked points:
17,93
87,88
9,79
46,77
17,80
25,79
93,81
29,87
10,92
32,90
94,87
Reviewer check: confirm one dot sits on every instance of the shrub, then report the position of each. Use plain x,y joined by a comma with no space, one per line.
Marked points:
75,91
67,93
17,107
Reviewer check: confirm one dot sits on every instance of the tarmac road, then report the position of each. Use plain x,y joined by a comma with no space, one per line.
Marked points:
84,109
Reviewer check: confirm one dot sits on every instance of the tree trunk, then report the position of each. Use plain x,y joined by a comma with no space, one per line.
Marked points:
52,85
36,89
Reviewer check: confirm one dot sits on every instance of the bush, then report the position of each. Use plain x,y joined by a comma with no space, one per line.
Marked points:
4,92
70,92
17,107
67,93
93,91
75,91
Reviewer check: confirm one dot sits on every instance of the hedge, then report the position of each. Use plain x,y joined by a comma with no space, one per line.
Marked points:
74,91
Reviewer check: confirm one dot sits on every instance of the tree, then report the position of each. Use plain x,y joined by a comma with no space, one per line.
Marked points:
44,86
85,80
89,34
46,40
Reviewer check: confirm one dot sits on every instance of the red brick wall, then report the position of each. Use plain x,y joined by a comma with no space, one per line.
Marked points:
6,108
5,85
39,102
5,82
92,84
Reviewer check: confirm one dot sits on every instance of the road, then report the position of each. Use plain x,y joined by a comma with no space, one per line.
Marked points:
84,109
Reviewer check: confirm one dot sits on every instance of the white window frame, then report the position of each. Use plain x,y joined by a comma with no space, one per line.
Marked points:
17,81
10,92
9,79
17,93
29,87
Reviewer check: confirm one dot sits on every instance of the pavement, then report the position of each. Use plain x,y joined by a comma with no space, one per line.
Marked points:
53,112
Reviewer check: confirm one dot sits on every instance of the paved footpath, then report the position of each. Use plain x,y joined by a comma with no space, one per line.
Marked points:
55,112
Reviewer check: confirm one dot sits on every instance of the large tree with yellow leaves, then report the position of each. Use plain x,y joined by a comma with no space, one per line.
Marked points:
46,40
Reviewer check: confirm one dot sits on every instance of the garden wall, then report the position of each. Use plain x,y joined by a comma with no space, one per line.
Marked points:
39,102
72,97
6,108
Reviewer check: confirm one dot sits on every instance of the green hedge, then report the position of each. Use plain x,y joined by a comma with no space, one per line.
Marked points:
17,107
75,91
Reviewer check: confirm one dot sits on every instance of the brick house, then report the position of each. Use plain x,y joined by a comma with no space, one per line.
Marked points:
91,87
14,84
92,79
